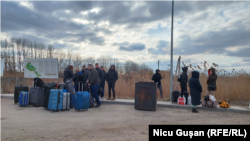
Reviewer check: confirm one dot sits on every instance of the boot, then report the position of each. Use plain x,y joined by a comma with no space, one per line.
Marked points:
194,110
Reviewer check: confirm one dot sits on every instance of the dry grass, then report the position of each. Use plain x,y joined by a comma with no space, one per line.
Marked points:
234,86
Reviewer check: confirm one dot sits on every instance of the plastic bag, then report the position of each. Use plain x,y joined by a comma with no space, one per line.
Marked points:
212,98
181,100
189,100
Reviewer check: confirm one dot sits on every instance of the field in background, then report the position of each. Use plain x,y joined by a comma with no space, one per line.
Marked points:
234,88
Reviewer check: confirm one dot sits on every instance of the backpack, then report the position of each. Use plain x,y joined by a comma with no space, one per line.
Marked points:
179,78
224,104
38,82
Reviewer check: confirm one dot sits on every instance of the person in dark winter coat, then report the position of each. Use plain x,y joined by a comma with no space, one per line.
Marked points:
102,82
100,73
85,74
112,77
157,79
68,73
183,79
94,83
76,78
195,90
211,80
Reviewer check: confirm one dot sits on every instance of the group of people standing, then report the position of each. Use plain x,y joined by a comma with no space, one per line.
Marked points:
95,78
194,85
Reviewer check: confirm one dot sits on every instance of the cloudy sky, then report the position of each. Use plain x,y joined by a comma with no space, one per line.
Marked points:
217,32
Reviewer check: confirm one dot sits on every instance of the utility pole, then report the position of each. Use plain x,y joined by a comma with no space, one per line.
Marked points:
158,63
171,73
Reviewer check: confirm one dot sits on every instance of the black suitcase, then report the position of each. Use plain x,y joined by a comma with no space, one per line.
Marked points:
62,86
18,90
47,88
175,95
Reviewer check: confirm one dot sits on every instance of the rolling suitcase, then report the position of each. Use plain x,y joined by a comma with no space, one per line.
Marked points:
66,101
36,96
23,98
175,95
47,88
18,90
91,100
55,100
82,101
73,96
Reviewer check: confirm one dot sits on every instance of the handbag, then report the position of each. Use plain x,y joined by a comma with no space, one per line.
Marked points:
211,86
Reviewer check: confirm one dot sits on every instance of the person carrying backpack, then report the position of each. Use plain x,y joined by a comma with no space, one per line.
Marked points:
157,79
183,79
112,77
211,82
195,90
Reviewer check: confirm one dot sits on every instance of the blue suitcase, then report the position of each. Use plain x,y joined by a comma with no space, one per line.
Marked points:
82,101
72,100
55,100
65,90
24,98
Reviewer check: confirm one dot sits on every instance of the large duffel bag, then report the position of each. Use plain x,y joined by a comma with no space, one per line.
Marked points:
36,96
38,82
18,90
209,104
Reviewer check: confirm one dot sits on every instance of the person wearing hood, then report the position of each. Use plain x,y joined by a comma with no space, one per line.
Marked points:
68,73
183,79
195,90
94,83
112,77
211,82
77,78
85,74
157,79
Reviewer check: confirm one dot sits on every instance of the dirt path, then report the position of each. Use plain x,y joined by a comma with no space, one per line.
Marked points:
110,122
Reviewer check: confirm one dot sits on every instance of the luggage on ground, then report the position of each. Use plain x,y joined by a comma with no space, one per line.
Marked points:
18,90
36,96
66,101
185,94
38,82
47,88
23,98
181,100
207,103
224,104
65,90
175,95
55,100
212,98
82,101
62,86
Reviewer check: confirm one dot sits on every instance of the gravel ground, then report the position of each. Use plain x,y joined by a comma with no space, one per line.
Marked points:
109,122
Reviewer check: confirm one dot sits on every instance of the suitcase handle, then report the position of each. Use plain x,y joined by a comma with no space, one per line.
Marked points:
80,85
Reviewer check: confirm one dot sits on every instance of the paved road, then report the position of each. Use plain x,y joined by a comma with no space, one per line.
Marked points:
110,122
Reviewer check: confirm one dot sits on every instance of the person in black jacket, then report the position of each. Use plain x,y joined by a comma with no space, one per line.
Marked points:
76,78
100,73
112,77
195,90
85,74
183,79
68,73
102,82
157,79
